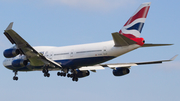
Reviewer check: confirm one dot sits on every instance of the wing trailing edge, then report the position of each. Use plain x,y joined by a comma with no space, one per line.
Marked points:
126,65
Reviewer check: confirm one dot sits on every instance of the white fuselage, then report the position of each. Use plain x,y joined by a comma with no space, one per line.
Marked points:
76,56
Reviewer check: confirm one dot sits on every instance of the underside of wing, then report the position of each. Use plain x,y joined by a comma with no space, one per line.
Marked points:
128,65
123,65
92,68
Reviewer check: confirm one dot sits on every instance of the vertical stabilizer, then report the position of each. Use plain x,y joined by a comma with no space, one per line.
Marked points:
133,27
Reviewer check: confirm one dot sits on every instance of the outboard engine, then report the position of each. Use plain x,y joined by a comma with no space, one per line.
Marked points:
10,53
121,71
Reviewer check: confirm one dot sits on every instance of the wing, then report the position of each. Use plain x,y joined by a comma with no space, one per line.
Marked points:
35,58
128,65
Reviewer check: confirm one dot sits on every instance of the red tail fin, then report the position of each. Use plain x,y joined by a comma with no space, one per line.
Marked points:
133,27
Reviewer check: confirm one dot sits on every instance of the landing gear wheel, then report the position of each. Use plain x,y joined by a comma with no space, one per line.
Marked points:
45,71
58,73
68,75
75,79
61,74
64,74
48,75
45,75
15,78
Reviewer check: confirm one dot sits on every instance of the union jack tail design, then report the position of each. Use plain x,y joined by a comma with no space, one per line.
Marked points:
133,27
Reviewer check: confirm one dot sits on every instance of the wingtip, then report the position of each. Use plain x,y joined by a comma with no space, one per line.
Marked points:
173,58
10,26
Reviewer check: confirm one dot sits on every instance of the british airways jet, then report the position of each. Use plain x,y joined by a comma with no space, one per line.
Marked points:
76,61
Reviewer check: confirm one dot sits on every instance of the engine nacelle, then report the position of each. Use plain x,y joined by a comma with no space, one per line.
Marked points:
81,74
19,63
121,71
9,53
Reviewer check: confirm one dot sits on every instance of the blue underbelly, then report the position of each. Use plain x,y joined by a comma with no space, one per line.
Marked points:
69,63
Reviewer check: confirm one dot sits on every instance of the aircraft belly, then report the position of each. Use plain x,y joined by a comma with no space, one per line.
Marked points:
68,63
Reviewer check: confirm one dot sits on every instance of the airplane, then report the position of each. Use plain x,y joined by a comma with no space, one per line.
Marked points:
77,61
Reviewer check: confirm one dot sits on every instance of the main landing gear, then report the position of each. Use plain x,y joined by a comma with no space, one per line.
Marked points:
75,78
15,77
46,72
73,75
61,74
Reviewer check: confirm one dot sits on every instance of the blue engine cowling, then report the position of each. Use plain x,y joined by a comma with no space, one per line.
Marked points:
121,71
81,74
19,63
9,53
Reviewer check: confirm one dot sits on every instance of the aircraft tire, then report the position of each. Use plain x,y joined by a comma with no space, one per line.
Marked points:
76,79
15,78
45,74
48,75
58,73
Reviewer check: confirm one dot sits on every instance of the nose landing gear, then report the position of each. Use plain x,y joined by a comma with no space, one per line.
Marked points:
15,77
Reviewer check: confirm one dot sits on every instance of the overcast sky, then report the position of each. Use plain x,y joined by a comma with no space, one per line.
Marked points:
70,22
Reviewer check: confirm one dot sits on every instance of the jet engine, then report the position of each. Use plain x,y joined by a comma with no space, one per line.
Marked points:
19,63
9,53
121,71
81,74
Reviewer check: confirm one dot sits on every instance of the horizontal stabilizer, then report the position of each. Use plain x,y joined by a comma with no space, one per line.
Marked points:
152,45
121,40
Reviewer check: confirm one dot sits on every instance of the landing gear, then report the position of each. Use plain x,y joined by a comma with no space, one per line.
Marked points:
61,74
73,75
46,71
69,75
46,74
15,77
75,79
